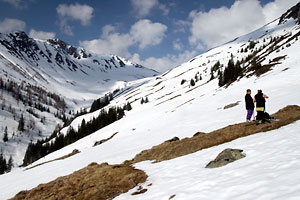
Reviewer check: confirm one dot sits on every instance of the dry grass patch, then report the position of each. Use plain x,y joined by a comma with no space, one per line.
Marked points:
169,150
94,182
75,151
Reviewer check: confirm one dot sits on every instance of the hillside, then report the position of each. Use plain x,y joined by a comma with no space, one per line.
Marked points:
202,95
48,82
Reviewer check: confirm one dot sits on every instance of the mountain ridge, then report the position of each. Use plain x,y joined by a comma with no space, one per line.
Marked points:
37,75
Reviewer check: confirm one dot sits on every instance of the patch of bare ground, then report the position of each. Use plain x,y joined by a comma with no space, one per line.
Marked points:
94,182
183,104
173,149
75,151
168,99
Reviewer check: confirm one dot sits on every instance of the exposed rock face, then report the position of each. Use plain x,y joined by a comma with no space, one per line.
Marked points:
225,157
293,12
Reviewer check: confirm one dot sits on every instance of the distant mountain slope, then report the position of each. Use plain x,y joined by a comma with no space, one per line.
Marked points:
46,82
58,66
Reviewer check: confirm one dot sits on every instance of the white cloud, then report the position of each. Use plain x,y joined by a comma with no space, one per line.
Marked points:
18,4
164,63
9,25
223,24
42,35
73,12
112,43
143,33
147,33
182,25
164,9
144,7
177,45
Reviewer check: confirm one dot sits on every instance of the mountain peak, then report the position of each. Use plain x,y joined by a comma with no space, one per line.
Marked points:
293,12
59,44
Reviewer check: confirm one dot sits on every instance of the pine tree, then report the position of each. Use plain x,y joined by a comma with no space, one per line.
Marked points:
5,137
142,101
3,165
10,164
221,81
252,44
192,82
21,124
146,100
128,107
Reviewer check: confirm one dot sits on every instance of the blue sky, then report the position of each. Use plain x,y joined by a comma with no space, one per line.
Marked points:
159,34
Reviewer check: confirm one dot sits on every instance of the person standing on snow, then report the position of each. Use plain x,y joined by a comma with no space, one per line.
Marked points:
249,105
260,100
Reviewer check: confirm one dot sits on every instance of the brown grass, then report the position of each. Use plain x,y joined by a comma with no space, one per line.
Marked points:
168,99
75,151
94,182
183,104
170,150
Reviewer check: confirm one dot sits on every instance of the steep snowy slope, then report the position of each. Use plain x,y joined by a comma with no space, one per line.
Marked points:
62,68
177,108
43,81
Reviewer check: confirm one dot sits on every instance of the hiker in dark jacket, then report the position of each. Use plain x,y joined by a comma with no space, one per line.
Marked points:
260,100
249,105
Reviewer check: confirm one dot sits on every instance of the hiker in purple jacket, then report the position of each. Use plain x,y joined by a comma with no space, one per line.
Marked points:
249,105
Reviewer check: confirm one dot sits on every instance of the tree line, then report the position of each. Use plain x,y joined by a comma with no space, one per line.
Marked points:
28,94
5,166
43,147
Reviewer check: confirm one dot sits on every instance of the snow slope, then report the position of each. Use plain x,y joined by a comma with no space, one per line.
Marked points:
73,74
61,68
271,168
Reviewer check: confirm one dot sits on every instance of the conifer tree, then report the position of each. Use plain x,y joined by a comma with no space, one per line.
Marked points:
127,107
221,82
10,164
192,82
21,124
3,165
5,136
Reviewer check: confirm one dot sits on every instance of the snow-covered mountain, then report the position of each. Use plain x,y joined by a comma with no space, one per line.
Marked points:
46,82
63,68
202,95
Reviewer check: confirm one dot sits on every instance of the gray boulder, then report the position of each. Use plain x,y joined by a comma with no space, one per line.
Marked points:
225,157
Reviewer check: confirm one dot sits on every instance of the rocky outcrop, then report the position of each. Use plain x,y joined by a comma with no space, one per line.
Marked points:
225,157
293,12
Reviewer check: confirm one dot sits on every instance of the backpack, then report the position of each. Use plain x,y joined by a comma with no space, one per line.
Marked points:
267,117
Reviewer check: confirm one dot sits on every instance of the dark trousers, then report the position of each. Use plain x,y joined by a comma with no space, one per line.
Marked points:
260,115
